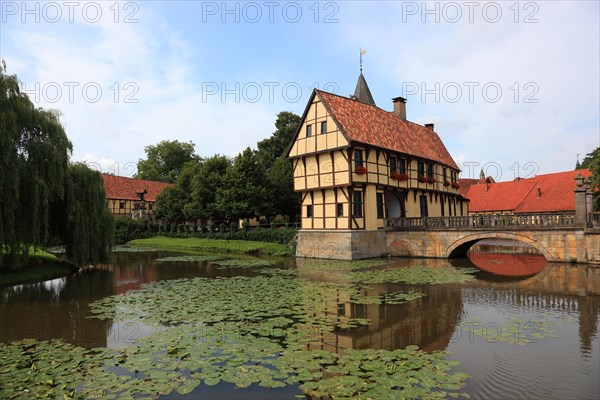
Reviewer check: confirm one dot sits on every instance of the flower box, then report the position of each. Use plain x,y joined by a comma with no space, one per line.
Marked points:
455,185
360,170
422,179
398,176
446,183
431,179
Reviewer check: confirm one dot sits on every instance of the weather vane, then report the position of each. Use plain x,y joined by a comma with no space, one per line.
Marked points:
362,52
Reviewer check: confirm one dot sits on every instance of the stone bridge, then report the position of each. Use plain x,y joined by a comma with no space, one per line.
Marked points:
556,236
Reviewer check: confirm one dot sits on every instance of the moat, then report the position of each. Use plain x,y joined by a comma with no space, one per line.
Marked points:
522,328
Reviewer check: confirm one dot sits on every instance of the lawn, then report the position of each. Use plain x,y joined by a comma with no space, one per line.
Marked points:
214,245
42,266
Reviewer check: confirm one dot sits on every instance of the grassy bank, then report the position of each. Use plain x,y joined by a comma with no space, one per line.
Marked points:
213,245
42,266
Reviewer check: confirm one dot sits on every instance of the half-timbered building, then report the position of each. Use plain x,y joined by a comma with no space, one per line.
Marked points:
131,198
356,165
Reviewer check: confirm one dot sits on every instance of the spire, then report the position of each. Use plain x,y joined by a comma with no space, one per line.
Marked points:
362,92
481,175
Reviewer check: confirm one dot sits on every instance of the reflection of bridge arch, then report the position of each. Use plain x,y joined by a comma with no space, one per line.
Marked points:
460,247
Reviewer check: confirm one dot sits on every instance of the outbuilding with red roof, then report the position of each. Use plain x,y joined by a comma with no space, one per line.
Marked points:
129,197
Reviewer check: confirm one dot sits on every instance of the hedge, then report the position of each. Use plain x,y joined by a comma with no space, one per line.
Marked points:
128,229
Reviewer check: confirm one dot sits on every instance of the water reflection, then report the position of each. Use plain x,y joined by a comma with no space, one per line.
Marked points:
56,309
427,322
505,258
509,285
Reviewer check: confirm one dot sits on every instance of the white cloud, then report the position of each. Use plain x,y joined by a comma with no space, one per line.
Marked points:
162,65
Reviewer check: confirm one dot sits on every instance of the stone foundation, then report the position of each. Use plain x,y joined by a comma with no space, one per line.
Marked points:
565,245
341,245
592,248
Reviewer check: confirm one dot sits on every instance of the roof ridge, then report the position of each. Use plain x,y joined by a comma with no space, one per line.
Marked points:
135,179
350,98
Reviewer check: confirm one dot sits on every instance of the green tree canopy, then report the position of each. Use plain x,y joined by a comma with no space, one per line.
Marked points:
588,159
40,193
87,227
165,160
244,193
283,200
210,178
34,154
272,148
254,184
592,161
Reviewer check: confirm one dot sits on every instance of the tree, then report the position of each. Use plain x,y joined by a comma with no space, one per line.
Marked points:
272,148
34,154
87,227
283,200
592,161
165,160
209,179
587,161
40,192
244,192
170,203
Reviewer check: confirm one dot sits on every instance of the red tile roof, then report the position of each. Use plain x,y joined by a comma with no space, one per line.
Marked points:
465,184
522,196
369,124
120,187
500,196
555,194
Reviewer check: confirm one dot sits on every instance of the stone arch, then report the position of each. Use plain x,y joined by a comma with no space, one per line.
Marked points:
460,247
402,248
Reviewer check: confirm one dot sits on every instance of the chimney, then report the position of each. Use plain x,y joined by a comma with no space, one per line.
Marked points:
400,107
429,126
539,191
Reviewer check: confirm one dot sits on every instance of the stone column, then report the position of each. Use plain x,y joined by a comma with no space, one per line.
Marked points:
589,204
580,202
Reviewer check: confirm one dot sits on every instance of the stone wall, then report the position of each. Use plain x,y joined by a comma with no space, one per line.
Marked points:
592,245
564,245
341,245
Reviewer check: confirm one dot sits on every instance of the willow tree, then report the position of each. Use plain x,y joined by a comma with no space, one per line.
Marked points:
34,155
87,228
34,173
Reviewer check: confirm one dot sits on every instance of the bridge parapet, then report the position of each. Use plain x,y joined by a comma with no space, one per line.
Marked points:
475,222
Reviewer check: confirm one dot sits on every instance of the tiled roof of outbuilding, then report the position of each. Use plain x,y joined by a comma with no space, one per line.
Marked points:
555,194
123,188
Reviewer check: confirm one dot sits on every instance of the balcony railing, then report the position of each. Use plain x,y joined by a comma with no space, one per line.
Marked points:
522,221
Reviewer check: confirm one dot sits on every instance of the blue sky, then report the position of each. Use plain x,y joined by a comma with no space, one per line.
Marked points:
511,86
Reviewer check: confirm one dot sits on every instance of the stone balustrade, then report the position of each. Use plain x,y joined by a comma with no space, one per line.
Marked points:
512,222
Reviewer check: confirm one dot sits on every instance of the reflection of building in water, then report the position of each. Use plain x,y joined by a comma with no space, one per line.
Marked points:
56,309
514,265
427,322
559,287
